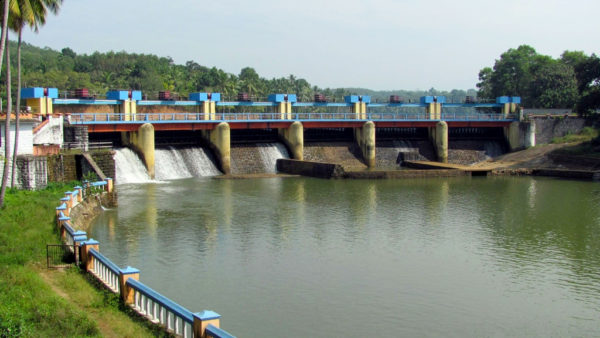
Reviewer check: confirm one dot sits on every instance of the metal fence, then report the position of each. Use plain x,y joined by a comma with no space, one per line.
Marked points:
61,255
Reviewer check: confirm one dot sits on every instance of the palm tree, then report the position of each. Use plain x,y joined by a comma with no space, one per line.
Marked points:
31,13
7,124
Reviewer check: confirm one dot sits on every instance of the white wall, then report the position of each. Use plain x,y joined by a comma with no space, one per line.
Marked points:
25,138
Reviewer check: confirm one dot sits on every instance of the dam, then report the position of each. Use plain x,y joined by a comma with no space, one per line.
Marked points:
239,137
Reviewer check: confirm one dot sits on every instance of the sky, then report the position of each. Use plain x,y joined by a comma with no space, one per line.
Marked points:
376,44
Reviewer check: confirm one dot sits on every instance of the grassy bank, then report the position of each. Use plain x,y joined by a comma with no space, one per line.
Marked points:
38,302
584,143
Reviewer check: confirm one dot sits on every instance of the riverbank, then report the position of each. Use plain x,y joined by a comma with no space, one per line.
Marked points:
35,301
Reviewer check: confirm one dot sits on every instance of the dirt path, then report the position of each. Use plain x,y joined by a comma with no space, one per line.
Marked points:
84,297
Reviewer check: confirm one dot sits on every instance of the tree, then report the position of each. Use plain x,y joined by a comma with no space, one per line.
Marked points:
539,80
33,14
7,124
553,85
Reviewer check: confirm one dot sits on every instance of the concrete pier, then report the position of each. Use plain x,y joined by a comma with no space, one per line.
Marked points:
365,138
220,142
142,141
439,137
293,137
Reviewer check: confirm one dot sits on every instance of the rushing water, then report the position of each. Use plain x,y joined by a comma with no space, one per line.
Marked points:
302,257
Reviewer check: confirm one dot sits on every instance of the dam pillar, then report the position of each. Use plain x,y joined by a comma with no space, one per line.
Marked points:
510,105
220,142
358,105
365,138
293,137
207,104
439,137
433,106
283,105
127,107
520,135
142,141
40,99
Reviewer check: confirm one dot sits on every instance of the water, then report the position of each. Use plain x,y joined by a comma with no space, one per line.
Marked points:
169,164
129,167
256,158
296,257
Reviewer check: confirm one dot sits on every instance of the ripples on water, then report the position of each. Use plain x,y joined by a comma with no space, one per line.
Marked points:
305,257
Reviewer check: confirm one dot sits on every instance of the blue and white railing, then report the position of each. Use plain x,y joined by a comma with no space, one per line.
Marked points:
105,270
159,309
155,307
185,117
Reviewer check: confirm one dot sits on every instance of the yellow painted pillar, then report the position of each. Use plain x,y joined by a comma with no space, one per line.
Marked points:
439,138
87,259
434,111
127,293
365,138
506,109
360,110
293,137
142,141
220,141
202,320
41,106
129,110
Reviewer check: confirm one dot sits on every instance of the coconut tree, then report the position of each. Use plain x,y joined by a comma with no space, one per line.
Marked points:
30,13
5,11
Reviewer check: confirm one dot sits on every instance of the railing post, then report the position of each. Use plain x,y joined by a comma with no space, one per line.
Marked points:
61,222
109,185
79,193
127,293
67,208
86,258
202,320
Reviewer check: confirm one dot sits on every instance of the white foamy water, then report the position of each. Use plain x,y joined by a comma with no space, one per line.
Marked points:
129,167
173,163
169,164
270,153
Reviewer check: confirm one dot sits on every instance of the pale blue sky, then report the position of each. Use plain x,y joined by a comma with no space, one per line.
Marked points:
378,44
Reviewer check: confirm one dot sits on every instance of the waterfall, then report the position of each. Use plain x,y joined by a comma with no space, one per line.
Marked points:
270,153
256,158
129,167
169,164
173,163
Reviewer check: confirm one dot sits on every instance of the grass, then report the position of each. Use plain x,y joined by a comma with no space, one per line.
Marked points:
36,302
587,134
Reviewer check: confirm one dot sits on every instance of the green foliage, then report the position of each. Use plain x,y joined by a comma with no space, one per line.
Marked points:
587,134
539,80
27,305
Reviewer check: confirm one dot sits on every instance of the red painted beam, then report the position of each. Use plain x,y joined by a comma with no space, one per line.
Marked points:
332,124
259,125
183,126
405,124
110,128
478,124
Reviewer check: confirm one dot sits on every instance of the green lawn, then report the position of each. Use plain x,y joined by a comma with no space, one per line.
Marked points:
35,301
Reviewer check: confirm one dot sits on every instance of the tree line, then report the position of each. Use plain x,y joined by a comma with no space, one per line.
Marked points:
570,81
101,72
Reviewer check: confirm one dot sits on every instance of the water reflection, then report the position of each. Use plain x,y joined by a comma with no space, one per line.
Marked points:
417,256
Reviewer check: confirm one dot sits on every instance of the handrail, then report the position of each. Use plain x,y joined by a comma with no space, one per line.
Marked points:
216,332
105,261
106,271
177,309
112,118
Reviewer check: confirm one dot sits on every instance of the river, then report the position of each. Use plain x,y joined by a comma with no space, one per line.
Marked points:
297,257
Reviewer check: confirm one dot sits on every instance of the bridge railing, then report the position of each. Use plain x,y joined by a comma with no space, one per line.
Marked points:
109,118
